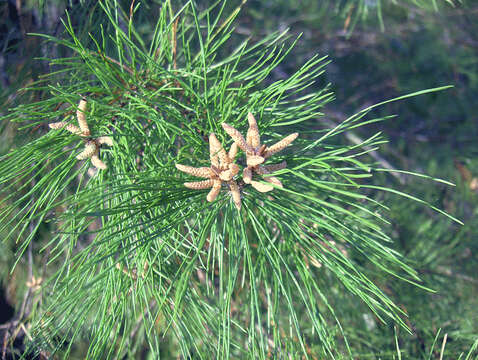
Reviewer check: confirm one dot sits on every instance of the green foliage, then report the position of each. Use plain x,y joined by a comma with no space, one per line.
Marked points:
349,13
136,260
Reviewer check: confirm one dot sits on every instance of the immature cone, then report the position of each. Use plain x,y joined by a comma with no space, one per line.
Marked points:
216,188
90,150
238,138
92,146
236,194
257,153
280,145
69,127
81,116
95,160
203,172
222,169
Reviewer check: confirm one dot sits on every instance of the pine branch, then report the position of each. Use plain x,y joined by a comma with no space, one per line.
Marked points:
174,100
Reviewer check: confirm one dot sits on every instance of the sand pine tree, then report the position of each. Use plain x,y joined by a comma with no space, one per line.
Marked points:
137,258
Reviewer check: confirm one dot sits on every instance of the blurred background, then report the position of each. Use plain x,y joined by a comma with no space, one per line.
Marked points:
379,49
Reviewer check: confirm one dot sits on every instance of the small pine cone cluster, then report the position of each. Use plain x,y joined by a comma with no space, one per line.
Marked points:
223,168
92,146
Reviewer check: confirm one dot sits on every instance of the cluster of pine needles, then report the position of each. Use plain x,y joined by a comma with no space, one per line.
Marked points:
133,258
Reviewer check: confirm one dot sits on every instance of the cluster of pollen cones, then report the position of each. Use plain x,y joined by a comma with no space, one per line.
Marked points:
92,146
223,169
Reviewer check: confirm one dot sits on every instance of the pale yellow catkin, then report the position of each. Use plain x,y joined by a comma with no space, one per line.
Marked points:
199,185
261,187
280,145
238,138
203,172
226,175
236,194
216,188
69,127
95,160
90,149
81,116
254,160
253,137
215,150
232,152
105,140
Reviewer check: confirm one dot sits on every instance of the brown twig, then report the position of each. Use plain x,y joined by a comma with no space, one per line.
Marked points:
25,307
131,8
174,42
105,57
5,341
